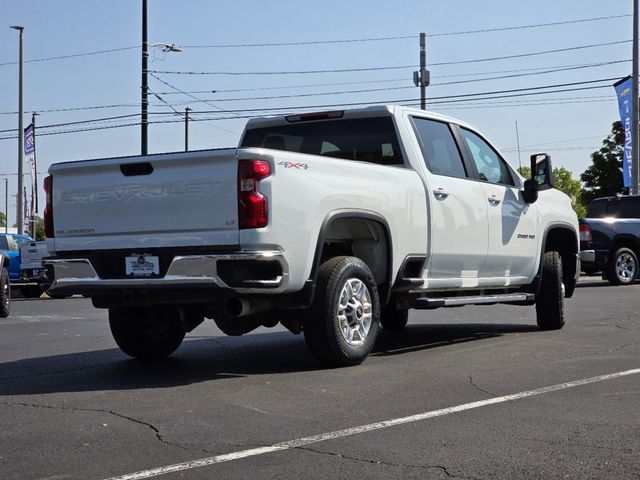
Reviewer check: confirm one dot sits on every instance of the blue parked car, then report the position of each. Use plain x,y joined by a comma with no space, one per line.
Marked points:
10,244
5,285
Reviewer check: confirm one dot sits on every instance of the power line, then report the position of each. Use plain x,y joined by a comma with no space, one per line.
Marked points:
531,54
292,44
293,72
496,94
369,90
403,37
195,98
73,109
74,55
287,87
546,69
533,145
521,27
321,42
433,99
399,67
473,105
535,69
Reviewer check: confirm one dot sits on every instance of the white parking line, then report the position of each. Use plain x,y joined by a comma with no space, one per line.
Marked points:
203,462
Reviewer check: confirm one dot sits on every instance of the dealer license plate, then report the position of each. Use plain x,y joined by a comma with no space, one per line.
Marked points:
142,265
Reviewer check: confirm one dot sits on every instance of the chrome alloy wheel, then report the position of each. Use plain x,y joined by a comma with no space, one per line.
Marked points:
626,267
355,311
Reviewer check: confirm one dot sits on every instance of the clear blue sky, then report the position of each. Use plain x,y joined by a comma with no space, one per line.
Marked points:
570,131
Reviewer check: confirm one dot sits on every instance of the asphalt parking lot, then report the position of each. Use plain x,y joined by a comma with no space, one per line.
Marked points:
471,393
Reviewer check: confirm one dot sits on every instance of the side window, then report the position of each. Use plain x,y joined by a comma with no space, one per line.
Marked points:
490,166
438,147
629,207
12,244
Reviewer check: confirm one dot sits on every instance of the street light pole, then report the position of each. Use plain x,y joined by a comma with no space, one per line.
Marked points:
19,207
145,82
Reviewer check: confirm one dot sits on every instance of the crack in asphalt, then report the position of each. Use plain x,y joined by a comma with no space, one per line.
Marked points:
386,463
109,412
588,355
477,387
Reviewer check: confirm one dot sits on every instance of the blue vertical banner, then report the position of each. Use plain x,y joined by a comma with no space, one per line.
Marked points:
625,105
30,155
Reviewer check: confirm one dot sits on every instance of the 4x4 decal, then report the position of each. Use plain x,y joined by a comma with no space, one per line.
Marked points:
295,165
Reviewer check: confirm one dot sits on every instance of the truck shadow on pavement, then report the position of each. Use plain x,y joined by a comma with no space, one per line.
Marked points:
203,359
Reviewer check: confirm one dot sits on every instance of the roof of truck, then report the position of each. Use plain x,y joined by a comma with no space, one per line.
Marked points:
376,110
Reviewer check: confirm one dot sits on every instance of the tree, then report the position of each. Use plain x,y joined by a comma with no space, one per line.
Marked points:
604,177
3,220
564,181
40,229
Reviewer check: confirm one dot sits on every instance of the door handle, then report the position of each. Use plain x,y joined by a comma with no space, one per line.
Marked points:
440,193
493,200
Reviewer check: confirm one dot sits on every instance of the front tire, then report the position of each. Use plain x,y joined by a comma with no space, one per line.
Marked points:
393,319
146,333
31,292
344,319
5,294
623,267
550,298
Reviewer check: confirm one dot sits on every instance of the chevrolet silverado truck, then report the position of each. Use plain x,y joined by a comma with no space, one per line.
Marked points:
333,224
32,273
610,238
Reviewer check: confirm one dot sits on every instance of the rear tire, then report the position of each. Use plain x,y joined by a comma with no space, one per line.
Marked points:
623,267
5,294
146,333
343,323
550,298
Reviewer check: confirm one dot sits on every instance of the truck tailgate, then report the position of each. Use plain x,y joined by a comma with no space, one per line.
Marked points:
165,200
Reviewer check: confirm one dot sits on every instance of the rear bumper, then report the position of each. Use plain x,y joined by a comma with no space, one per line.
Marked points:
594,259
587,257
242,272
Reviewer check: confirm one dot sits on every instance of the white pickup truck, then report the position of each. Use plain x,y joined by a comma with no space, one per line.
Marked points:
331,223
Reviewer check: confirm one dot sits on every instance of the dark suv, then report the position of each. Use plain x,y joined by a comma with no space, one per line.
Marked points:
610,239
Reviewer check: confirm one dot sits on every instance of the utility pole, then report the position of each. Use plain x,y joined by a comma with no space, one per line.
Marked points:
422,78
186,129
19,207
518,143
145,83
634,96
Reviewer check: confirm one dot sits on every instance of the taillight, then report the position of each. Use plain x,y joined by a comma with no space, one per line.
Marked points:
48,210
585,233
253,207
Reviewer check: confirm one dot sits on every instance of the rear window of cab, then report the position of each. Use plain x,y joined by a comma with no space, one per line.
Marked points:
372,139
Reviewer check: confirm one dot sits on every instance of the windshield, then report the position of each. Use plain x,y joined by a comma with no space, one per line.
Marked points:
371,140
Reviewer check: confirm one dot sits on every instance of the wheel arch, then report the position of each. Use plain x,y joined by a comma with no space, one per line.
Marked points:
625,240
359,233
563,238
4,260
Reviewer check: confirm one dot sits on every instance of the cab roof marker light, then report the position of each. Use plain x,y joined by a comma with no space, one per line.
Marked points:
308,117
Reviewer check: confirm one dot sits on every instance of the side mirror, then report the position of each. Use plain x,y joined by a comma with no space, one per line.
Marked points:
541,177
541,171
